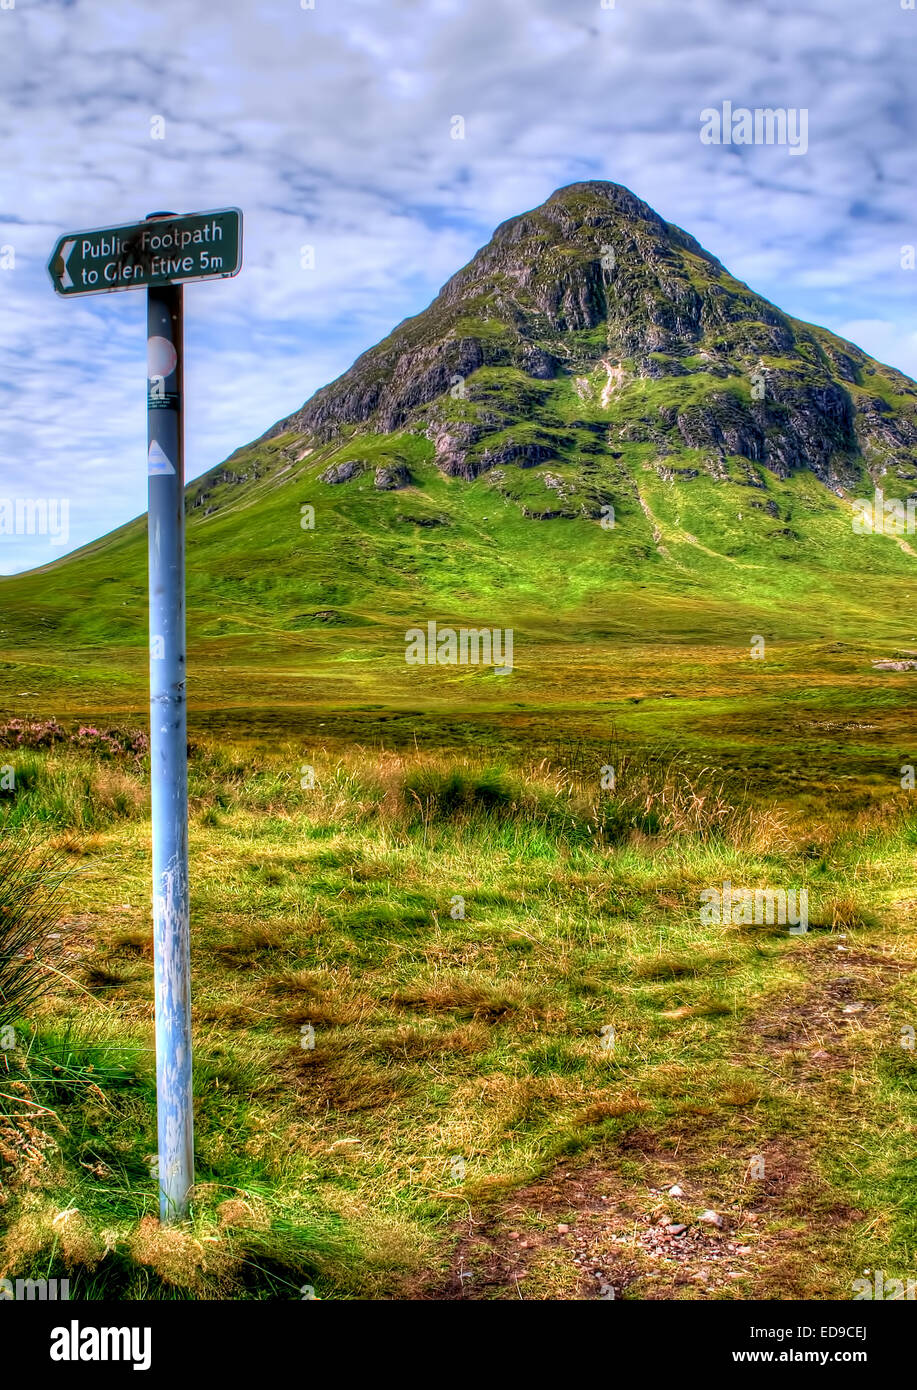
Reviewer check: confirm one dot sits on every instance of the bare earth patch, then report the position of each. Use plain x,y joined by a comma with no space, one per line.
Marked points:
680,1230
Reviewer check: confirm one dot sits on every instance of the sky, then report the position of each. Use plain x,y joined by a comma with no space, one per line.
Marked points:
333,128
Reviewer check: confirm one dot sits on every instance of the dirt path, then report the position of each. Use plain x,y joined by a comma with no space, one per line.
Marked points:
657,1216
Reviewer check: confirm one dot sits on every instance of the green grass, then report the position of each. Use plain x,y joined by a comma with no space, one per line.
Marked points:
458,936
649,624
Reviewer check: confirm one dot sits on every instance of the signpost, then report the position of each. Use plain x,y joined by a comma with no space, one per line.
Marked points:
161,254
163,250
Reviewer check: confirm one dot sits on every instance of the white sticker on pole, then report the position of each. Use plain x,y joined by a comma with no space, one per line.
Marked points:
161,357
158,460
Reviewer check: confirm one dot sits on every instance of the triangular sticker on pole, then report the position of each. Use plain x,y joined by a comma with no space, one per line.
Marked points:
158,461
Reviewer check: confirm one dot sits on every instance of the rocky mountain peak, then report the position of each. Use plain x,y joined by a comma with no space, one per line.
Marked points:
590,326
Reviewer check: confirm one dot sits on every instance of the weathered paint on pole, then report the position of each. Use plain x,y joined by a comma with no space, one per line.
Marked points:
169,750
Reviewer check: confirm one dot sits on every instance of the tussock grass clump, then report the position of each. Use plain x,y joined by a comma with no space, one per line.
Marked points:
71,790
252,941
653,795
629,790
238,1245
619,1107
31,882
66,1064
843,912
482,797
133,943
464,995
309,997
458,793
705,1008
336,1077
670,965
41,1227
414,1044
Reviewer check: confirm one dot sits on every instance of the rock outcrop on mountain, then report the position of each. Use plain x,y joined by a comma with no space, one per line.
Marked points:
590,325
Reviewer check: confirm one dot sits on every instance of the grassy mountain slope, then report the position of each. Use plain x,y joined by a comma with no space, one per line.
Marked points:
590,357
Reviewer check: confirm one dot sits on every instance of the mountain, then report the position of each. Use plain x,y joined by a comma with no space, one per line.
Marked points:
590,325
594,435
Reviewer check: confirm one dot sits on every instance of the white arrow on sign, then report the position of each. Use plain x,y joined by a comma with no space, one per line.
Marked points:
158,460
66,252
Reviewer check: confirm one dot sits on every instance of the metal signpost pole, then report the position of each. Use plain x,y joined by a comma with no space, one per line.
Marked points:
169,749
161,255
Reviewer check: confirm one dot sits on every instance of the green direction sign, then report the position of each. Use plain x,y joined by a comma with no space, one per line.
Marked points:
164,251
